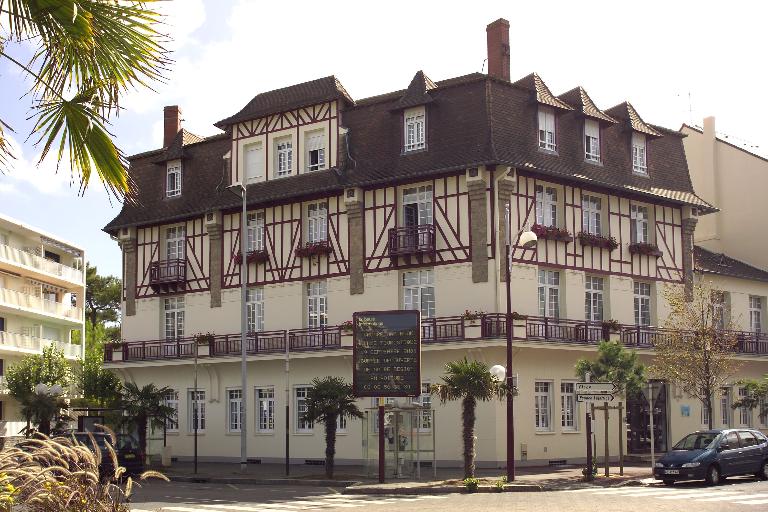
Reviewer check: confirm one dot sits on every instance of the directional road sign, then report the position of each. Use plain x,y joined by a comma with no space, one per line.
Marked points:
599,397
595,388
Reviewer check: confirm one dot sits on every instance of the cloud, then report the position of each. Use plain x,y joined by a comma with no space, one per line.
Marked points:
45,178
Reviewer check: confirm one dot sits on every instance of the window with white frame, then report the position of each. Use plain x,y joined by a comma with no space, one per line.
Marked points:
317,222
591,211
174,317
423,417
542,397
255,231
196,413
568,406
173,180
317,304
315,147
254,305
638,216
744,412
591,140
171,400
303,425
704,415
755,313
419,292
253,162
549,293
642,296
265,405
718,309
725,406
639,154
341,424
414,129
417,206
174,243
284,156
546,206
593,298
547,128
234,409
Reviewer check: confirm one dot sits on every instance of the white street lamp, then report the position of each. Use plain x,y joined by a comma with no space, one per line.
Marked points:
498,372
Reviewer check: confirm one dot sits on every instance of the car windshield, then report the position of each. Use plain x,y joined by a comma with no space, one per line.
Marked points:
697,441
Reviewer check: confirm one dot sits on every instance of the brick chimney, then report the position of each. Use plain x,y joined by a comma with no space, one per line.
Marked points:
498,49
171,123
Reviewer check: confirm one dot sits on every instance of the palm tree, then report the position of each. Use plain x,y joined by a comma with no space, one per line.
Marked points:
86,55
143,407
327,400
468,381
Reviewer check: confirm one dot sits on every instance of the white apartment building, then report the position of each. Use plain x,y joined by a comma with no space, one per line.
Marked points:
42,294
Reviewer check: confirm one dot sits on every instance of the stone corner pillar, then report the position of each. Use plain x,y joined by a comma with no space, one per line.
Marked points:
478,204
127,240
689,227
353,200
214,227
504,190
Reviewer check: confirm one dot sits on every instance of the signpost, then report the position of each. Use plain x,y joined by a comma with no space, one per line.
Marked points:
592,392
386,356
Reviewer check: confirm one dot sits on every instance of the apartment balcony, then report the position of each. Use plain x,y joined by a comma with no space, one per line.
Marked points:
37,307
24,344
412,241
435,331
14,259
168,276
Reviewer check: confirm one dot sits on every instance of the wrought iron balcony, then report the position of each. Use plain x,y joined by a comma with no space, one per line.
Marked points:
412,240
168,275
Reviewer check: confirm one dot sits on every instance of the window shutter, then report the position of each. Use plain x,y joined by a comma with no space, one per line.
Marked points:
253,164
592,128
315,141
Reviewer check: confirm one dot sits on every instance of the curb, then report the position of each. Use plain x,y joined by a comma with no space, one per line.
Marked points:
441,489
262,481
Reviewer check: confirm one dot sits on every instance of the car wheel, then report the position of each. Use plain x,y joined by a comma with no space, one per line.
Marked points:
763,473
713,475
669,482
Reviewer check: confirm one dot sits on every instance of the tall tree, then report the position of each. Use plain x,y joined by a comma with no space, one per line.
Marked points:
327,400
616,365
86,55
102,296
98,385
470,382
697,354
144,407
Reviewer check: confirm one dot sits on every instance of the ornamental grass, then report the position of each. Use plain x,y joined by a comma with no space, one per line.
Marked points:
59,474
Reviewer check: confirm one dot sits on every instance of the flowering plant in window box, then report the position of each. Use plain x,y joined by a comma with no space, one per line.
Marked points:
611,325
204,339
552,233
347,327
605,242
258,256
313,249
644,248
518,316
472,316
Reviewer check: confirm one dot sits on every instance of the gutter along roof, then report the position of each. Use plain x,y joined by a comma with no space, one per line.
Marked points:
471,120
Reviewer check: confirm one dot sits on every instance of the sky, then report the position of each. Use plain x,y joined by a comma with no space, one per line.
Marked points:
675,61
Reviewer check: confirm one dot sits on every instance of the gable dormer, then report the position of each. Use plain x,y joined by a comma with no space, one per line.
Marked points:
413,106
287,132
640,134
548,109
593,122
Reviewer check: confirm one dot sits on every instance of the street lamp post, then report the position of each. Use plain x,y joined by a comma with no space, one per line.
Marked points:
527,240
243,329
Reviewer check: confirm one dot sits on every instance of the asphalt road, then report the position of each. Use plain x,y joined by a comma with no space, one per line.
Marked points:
736,494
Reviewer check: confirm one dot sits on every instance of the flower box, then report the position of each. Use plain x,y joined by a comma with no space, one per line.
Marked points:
347,338
472,331
472,318
258,256
604,242
644,248
117,351
552,233
314,249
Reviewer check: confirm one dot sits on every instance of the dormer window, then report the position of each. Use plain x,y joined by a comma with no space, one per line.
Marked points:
173,180
415,133
547,129
591,140
254,163
315,144
639,154
284,156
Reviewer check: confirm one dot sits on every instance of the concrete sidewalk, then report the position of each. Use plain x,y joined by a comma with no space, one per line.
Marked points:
355,479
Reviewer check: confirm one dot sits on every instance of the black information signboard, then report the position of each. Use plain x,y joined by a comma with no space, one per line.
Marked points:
387,353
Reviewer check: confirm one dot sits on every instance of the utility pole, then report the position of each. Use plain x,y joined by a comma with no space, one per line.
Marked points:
607,457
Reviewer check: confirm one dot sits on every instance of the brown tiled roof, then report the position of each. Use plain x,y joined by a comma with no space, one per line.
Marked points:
627,113
709,262
584,105
291,97
540,91
417,92
175,148
473,120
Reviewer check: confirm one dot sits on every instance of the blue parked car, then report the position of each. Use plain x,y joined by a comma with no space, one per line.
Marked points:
712,455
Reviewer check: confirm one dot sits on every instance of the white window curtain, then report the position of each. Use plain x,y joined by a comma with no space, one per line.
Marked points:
591,207
639,153
547,129
549,293
265,405
593,301
253,162
546,206
317,222
317,304
255,309
592,140
255,231
284,157
639,221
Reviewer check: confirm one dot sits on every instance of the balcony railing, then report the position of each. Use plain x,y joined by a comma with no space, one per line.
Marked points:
168,271
449,329
34,303
12,340
412,240
16,256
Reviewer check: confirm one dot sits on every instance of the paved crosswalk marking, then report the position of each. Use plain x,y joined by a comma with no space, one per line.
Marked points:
697,496
741,496
755,502
730,495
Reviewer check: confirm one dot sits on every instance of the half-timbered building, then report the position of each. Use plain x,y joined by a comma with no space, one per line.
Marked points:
403,200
